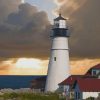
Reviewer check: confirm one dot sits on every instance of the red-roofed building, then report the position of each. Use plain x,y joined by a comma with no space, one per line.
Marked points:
92,75
67,84
84,88
70,80
94,71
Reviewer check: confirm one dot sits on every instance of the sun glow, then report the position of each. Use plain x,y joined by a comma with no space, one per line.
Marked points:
28,63
22,1
33,66
59,2
28,66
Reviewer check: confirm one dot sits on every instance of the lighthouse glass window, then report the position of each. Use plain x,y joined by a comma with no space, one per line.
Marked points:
62,24
54,58
56,23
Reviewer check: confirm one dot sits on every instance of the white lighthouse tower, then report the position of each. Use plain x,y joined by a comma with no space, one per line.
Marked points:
58,68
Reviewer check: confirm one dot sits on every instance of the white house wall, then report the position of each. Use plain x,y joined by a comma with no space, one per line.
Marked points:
90,94
99,77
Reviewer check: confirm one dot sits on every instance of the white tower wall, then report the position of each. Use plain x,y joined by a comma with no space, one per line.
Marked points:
58,68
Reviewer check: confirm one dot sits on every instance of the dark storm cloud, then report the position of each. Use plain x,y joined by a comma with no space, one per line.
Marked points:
7,7
25,33
24,30
85,20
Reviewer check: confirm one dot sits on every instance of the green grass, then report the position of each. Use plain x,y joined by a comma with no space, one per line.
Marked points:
30,96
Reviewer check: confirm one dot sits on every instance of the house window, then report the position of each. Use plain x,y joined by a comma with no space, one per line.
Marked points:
55,59
94,72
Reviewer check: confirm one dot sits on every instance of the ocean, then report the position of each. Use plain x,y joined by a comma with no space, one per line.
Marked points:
16,82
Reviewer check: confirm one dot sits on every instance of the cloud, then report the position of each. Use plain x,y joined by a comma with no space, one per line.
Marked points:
81,66
85,33
59,2
6,65
24,33
7,7
25,30
15,66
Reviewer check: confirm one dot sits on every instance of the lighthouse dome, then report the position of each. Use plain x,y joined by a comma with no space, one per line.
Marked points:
59,18
60,22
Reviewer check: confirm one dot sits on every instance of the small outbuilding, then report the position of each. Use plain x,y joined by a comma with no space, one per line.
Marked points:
38,84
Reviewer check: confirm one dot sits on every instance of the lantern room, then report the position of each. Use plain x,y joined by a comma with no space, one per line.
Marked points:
60,27
60,22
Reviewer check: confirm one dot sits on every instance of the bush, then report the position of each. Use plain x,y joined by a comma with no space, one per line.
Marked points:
10,95
90,98
13,95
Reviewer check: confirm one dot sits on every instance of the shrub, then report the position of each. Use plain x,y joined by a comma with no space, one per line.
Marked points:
90,98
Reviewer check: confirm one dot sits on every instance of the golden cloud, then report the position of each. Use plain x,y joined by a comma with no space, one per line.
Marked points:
77,66
81,66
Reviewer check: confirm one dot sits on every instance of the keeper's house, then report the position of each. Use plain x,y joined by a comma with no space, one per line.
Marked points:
84,88
80,87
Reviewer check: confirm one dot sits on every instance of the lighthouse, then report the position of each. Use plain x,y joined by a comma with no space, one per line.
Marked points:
58,68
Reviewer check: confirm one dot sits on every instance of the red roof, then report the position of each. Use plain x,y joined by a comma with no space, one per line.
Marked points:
70,80
89,85
88,73
96,66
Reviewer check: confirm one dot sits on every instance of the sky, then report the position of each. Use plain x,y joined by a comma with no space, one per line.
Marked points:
46,5
25,27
